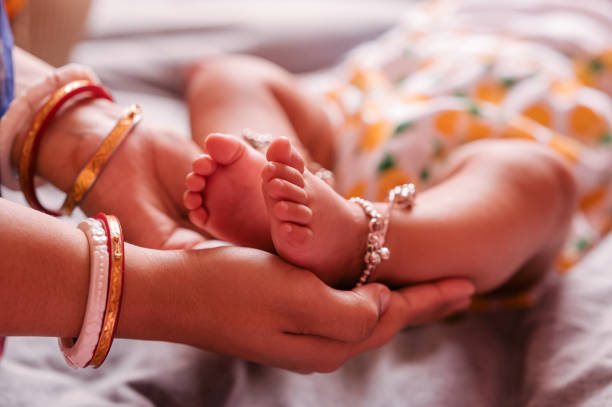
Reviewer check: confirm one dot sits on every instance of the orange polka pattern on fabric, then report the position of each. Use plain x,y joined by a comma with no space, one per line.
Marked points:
489,91
538,113
412,97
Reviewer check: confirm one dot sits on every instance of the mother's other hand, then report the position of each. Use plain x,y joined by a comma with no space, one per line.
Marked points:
250,304
143,182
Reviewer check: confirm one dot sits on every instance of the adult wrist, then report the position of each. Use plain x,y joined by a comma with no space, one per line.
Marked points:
154,298
141,316
71,139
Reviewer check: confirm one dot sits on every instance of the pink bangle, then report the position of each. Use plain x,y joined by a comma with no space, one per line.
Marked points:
22,110
79,353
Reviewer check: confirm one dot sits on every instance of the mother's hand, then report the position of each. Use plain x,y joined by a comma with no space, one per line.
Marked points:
143,186
250,304
143,182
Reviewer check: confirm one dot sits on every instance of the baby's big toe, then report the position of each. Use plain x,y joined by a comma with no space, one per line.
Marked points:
224,148
281,151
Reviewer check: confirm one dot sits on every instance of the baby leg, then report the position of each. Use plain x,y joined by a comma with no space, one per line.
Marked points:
503,204
229,94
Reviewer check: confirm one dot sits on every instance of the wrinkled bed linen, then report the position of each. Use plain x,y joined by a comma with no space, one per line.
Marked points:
558,353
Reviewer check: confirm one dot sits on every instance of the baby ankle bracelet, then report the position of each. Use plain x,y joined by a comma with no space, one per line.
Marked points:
402,196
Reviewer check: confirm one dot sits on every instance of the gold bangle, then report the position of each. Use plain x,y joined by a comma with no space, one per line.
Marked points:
90,172
31,144
115,289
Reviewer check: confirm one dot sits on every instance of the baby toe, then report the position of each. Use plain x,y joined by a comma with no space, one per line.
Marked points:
198,217
292,212
192,200
294,234
282,171
280,189
283,152
195,182
204,165
279,150
296,160
224,148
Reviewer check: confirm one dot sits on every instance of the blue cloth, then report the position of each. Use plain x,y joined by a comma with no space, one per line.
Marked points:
6,61
6,64
6,75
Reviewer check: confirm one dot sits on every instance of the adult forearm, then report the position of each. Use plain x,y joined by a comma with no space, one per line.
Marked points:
44,278
143,180
73,136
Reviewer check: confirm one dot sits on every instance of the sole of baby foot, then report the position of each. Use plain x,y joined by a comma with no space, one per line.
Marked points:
224,196
311,225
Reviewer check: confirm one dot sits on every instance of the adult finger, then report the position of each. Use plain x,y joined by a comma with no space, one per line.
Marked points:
408,306
448,310
417,305
431,302
347,316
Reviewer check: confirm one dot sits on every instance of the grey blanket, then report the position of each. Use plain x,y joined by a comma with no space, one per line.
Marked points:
558,353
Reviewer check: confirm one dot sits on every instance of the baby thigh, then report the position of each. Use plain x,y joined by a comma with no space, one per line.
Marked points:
231,93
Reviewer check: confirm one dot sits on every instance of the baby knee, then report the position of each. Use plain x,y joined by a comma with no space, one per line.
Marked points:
537,170
233,71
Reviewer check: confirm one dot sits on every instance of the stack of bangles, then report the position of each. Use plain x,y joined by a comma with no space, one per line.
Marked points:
107,262
27,118
38,106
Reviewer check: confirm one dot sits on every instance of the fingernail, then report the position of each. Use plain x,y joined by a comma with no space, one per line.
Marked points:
385,299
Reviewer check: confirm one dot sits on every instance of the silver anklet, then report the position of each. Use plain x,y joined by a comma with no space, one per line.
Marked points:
259,141
321,172
402,196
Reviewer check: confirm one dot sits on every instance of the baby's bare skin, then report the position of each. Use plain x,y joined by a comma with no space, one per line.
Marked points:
223,193
502,205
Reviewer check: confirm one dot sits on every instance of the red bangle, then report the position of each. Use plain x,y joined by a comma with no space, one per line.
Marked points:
29,152
115,288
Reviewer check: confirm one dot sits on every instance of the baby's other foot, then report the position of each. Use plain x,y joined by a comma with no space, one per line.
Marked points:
311,225
223,193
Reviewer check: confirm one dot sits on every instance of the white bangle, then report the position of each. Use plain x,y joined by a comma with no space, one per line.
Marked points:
22,110
79,354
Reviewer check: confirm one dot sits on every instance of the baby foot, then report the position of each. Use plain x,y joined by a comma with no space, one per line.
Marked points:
311,225
223,193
